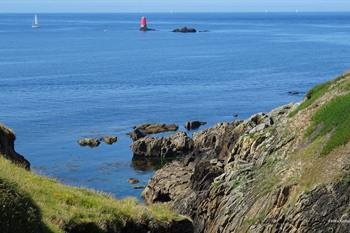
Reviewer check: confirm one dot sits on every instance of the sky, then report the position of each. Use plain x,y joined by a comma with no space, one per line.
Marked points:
30,6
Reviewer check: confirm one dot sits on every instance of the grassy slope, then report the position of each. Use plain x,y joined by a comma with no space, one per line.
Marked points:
321,126
318,91
62,206
332,119
322,153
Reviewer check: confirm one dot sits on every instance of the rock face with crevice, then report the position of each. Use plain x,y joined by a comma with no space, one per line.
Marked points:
251,176
7,147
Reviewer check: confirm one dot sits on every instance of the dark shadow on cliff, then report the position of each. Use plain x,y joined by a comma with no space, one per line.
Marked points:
18,212
140,163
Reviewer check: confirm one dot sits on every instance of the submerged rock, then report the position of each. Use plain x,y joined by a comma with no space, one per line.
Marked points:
185,30
294,93
90,142
192,125
133,181
7,147
110,139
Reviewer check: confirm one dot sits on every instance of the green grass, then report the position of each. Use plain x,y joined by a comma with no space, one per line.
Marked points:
62,207
311,96
317,92
333,118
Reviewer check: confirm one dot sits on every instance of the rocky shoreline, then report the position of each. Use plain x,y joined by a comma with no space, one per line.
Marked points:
263,174
258,175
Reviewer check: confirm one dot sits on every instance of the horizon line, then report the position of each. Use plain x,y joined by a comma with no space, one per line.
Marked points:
174,12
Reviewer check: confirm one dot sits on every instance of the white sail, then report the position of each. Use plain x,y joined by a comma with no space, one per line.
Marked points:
35,22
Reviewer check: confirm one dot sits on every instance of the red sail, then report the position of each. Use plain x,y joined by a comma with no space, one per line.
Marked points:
143,22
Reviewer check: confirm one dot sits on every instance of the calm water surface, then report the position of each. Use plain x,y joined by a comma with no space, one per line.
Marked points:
94,74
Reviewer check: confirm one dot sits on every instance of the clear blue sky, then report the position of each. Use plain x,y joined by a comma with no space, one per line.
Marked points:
170,5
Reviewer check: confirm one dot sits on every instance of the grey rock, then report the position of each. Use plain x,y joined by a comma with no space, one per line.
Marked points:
110,139
185,30
136,134
175,145
90,142
192,125
153,128
133,181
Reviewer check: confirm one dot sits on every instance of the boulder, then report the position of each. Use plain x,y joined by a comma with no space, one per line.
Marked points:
109,139
136,134
7,147
294,93
156,128
175,145
192,125
133,181
91,142
185,30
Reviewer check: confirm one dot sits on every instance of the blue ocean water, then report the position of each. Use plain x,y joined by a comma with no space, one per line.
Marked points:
94,74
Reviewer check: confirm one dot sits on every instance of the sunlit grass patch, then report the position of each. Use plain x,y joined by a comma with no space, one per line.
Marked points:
333,118
62,206
317,92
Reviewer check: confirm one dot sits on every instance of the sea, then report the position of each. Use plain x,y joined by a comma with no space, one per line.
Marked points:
89,75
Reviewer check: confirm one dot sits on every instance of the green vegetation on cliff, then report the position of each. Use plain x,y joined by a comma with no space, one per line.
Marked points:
319,90
33,203
333,118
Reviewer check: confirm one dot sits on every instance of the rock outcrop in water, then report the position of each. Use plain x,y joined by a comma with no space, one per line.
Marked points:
185,30
7,149
95,142
156,128
110,140
90,142
150,147
262,174
192,125
143,130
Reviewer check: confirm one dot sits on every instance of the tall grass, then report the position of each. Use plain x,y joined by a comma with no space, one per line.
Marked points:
317,92
62,206
333,118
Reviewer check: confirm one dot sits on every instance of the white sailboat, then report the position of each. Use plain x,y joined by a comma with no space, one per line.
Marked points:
35,22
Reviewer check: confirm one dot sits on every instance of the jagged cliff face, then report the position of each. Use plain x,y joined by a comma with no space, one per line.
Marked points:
7,143
264,174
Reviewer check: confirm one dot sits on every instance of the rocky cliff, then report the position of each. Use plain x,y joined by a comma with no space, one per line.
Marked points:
283,171
7,147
